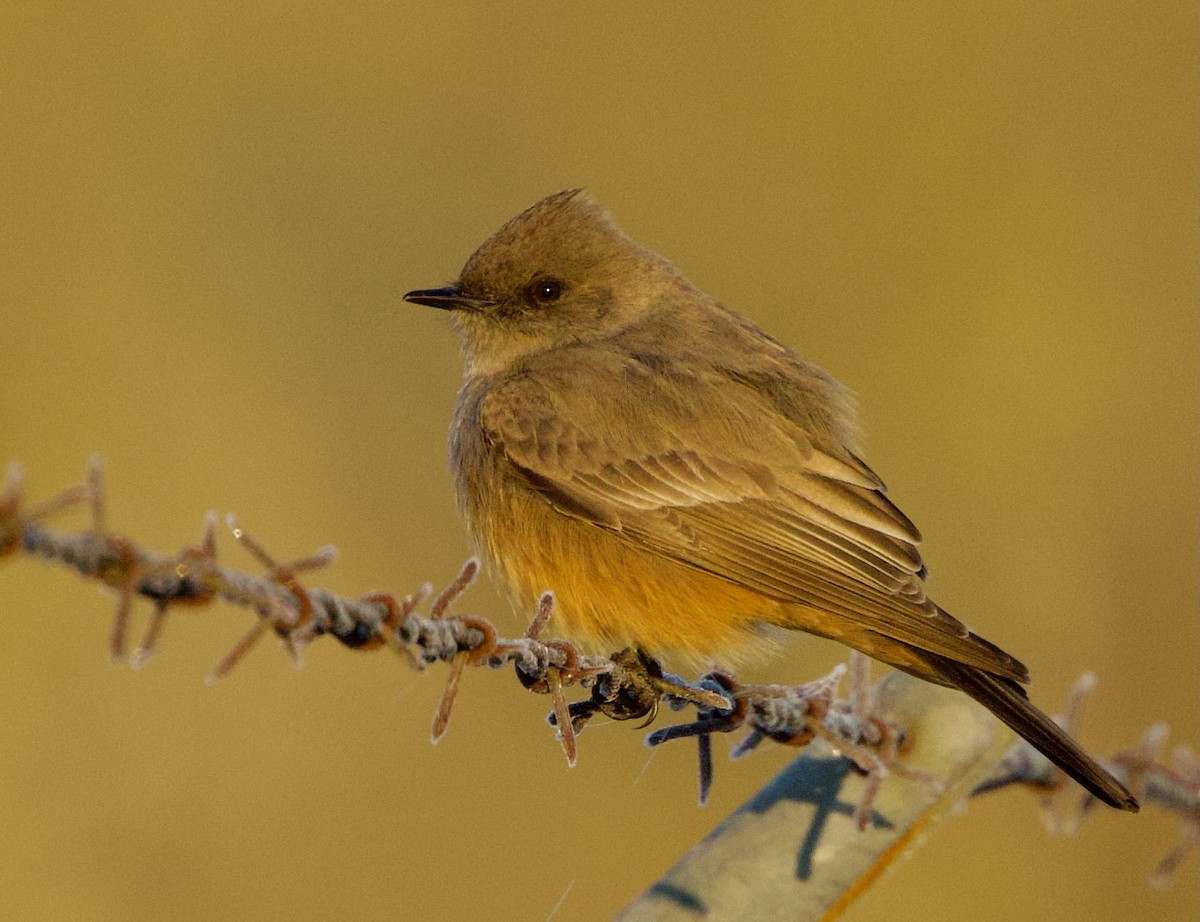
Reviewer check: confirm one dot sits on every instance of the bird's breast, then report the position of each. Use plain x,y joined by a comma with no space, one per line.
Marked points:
611,591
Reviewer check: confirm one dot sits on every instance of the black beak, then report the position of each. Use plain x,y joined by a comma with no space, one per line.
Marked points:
448,299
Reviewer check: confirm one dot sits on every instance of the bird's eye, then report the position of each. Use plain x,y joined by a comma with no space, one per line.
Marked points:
545,290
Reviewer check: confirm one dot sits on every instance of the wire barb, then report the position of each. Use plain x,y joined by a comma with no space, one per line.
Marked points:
1173,784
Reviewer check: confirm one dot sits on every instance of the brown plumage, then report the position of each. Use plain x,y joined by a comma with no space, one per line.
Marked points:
679,478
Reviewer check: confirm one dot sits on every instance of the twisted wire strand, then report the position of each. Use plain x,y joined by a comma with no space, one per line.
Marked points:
626,685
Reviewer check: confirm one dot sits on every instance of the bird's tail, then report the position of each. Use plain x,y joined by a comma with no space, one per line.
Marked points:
1007,700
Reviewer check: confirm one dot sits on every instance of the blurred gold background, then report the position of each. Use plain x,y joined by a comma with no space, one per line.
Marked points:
982,220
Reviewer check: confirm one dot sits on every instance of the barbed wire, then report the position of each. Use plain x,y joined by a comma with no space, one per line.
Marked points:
629,684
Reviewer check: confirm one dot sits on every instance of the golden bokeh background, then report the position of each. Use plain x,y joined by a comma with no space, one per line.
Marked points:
982,219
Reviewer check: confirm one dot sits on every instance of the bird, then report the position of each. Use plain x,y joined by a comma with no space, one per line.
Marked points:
682,480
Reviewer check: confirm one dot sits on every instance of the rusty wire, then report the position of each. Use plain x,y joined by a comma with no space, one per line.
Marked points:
629,684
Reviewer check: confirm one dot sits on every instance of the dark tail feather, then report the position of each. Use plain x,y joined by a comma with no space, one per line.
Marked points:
1006,699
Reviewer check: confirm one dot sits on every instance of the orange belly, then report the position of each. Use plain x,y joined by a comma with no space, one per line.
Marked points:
611,593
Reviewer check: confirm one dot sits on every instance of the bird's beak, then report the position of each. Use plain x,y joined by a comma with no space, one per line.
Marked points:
448,299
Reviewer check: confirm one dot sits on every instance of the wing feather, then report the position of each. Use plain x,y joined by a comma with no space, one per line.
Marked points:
715,477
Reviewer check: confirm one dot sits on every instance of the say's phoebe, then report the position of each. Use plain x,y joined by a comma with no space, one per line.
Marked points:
679,478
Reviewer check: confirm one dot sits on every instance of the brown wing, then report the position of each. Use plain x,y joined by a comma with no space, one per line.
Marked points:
709,473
